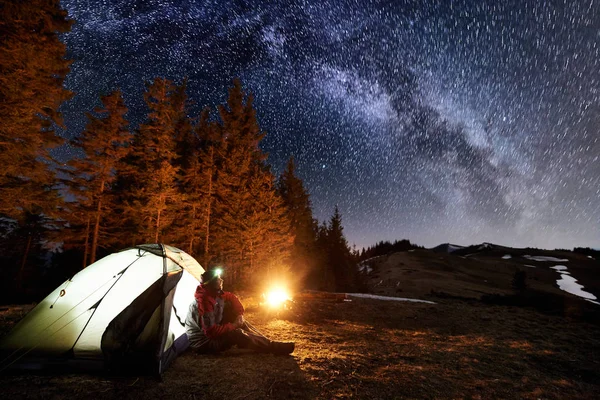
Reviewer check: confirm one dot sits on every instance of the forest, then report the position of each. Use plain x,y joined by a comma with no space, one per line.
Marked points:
197,182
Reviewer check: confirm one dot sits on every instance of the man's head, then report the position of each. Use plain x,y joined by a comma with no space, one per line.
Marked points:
212,278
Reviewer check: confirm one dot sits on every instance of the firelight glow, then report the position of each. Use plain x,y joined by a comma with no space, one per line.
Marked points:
276,296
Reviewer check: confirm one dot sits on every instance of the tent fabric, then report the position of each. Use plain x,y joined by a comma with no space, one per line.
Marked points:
125,310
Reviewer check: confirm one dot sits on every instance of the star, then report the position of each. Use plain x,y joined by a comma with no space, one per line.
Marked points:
437,122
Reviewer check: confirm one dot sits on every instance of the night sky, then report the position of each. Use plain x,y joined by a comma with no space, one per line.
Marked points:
460,122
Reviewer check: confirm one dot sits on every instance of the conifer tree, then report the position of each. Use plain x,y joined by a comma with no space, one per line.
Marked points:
211,147
150,171
298,208
249,213
323,274
339,257
239,152
32,70
212,144
198,185
266,228
104,143
183,229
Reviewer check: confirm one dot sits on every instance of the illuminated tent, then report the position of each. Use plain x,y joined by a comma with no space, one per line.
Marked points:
124,313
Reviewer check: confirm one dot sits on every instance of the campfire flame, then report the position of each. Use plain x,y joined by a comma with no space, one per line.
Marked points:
276,297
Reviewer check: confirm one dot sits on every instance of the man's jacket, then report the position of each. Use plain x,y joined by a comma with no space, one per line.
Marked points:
206,314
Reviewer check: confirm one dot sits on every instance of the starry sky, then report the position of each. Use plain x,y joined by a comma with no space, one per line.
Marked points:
439,121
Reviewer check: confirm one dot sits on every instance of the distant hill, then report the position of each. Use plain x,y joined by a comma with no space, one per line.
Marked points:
446,248
385,247
551,278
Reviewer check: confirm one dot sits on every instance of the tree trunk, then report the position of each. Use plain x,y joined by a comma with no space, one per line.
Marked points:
251,255
160,204
97,224
193,229
24,261
208,207
157,226
87,243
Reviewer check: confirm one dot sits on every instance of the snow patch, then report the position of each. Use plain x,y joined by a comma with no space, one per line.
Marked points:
484,246
506,257
570,285
530,266
364,268
387,298
591,257
368,260
546,258
454,247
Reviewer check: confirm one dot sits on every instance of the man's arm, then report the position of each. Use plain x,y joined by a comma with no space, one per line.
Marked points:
204,321
217,330
235,302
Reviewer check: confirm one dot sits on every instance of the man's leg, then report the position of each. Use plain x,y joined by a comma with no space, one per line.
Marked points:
213,346
244,338
240,338
248,340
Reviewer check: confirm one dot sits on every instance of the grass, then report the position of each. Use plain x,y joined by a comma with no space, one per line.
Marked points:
460,347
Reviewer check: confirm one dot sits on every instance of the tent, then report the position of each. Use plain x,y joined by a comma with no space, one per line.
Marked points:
124,313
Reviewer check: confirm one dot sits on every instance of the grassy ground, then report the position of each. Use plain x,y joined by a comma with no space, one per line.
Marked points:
460,347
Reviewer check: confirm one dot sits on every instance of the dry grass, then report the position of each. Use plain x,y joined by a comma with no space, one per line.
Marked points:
368,349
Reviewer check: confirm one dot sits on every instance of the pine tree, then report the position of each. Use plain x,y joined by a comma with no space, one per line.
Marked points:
183,230
198,165
32,70
150,171
248,211
323,274
339,257
298,209
266,228
103,143
239,152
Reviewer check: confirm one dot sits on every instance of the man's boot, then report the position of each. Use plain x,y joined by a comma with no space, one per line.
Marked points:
282,348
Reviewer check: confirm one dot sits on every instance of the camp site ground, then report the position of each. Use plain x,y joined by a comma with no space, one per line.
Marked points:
459,347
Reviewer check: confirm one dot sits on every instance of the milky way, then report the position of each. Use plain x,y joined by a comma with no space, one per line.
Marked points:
459,122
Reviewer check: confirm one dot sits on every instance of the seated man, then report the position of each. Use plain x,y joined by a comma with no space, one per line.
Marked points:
215,321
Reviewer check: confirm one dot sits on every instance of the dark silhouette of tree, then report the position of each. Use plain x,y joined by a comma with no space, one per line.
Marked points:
386,247
519,281
32,70
323,275
298,208
103,144
340,259
587,251
336,264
